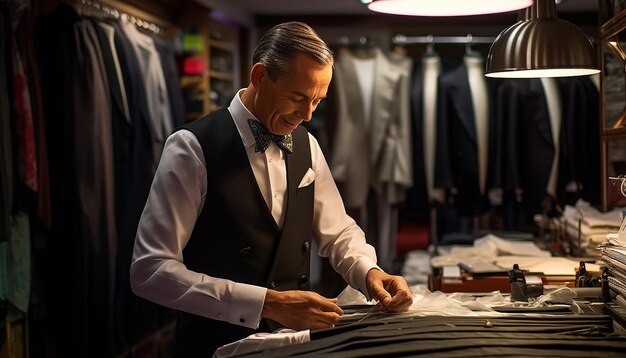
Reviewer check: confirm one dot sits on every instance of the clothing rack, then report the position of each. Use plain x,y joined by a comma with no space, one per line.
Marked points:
362,40
119,11
401,39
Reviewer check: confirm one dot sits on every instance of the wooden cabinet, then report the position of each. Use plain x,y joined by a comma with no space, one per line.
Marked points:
612,57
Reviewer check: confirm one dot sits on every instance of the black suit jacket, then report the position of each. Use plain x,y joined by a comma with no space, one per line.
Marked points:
527,144
134,160
580,137
417,205
457,148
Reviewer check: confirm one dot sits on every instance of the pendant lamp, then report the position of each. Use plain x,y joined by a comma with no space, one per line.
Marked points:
446,7
541,45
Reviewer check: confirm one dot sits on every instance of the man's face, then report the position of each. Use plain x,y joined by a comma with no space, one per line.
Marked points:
283,104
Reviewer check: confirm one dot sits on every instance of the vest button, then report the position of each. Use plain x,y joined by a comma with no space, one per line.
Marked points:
306,247
273,285
246,252
303,280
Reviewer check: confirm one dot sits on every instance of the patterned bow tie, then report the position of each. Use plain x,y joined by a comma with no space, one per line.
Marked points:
263,138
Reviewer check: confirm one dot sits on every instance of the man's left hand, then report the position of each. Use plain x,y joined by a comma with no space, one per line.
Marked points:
392,291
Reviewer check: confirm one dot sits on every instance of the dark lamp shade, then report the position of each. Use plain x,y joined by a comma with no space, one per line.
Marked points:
543,47
446,7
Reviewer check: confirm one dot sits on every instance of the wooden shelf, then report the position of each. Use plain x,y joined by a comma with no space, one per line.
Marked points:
224,76
222,45
191,80
614,134
218,53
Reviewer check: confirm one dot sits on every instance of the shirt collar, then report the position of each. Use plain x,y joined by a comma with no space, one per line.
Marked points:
240,115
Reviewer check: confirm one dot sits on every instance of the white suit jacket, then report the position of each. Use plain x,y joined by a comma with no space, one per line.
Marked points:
377,155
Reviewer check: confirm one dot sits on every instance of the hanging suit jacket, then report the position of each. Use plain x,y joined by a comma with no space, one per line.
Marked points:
134,158
82,241
154,86
172,81
527,145
122,143
242,242
377,154
417,197
580,137
456,164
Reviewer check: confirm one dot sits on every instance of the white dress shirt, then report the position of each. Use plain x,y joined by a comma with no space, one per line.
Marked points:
176,199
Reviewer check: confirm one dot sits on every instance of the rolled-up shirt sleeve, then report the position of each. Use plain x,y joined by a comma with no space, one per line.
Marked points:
337,235
157,271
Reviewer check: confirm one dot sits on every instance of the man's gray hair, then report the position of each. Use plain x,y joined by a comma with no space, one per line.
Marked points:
281,44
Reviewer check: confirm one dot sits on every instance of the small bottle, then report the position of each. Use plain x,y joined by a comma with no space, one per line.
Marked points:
622,230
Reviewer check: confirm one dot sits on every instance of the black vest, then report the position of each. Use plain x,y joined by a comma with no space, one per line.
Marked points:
236,237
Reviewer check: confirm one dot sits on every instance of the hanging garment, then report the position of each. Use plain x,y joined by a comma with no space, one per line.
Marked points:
134,316
579,163
6,146
372,154
95,174
154,86
24,35
464,130
80,150
376,151
423,135
527,148
172,81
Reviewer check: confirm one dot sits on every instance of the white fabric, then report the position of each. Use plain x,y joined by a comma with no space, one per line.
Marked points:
176,200
586,232
480,103
157,97
488,248
587,223
307,179
416,267
592,218
431,69
365,75
261,341
553,100
427,303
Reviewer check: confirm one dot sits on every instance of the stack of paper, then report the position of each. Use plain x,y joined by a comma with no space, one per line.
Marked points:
591,226
614,258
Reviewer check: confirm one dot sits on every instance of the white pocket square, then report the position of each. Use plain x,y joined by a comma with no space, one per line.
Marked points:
307,179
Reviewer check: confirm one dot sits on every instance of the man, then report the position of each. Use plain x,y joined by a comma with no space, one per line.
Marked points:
225,234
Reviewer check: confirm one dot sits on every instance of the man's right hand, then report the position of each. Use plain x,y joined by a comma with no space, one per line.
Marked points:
300,310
